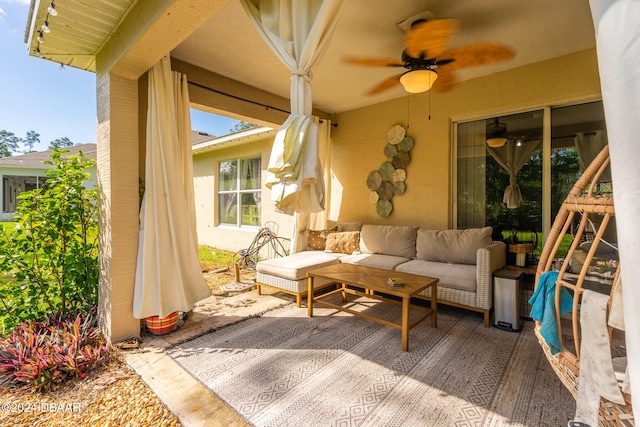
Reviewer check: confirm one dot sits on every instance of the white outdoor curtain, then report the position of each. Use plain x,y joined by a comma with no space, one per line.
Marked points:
298,32
318,220
471,185
588,145
512,157
168,274
618,48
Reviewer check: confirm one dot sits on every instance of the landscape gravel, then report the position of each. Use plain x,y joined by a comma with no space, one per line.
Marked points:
113,395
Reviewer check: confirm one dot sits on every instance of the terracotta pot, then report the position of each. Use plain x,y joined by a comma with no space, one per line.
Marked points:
161,325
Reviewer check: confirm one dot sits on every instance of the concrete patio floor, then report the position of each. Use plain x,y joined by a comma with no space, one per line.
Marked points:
185,396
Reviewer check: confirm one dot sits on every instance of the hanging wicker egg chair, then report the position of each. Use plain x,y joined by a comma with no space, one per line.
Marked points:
586,213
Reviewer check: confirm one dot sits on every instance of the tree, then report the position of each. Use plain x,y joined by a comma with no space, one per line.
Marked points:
60,143
240,125
8,143
30,141
50,259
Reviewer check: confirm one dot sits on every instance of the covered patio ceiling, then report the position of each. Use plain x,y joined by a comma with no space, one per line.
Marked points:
227,43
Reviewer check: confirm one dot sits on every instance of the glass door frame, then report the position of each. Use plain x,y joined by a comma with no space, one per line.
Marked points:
546,155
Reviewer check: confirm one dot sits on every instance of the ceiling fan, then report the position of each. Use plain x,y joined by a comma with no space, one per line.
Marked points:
429,63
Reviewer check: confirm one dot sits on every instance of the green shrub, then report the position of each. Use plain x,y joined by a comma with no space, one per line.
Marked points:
42,354
50,258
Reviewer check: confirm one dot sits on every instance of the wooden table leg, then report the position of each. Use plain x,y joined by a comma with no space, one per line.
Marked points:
405,323
434,305
344,294
310,296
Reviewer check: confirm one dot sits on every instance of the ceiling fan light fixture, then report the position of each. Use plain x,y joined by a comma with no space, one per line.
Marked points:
496,134
417,81
496,142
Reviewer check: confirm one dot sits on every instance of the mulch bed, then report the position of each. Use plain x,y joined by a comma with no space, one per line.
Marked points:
113,395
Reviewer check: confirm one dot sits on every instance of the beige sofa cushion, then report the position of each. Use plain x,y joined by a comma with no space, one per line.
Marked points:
454,246
295,266
349,226
453,276
386,262
393,240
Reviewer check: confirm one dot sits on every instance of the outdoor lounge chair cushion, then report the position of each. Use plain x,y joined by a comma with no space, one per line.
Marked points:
295,266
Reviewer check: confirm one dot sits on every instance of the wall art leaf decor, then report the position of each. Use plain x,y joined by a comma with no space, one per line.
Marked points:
390,178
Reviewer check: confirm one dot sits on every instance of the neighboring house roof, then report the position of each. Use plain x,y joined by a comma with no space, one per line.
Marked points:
37,158
198,137
233,139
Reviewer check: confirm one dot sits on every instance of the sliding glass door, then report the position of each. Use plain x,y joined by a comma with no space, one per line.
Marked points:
500,164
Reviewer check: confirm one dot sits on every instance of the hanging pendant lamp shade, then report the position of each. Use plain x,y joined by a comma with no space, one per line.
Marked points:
417,81
496,134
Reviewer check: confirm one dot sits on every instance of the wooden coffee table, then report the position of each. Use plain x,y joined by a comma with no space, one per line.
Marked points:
374,281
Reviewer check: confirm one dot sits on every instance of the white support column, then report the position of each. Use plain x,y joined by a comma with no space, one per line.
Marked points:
150,30
117,166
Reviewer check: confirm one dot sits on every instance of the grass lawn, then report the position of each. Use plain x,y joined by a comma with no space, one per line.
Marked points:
562,250
211,259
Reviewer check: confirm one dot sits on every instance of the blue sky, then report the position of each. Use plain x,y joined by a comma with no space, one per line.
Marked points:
56,102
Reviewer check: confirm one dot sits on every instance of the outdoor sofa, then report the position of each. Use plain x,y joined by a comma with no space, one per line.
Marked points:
462,260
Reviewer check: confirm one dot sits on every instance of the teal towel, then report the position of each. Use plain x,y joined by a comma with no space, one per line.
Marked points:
543,310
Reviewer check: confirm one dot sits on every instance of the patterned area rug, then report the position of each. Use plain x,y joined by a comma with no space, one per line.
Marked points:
335,369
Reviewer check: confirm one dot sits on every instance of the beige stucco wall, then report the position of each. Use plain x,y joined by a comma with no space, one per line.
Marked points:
360,138
205,169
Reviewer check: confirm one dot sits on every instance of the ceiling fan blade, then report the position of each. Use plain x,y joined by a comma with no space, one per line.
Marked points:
429,38
445,81
476,54
374,62
385,85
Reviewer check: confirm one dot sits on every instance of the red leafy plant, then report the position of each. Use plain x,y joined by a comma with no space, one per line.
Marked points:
43,354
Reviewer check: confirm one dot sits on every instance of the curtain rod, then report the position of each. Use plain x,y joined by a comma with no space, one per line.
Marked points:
574,135
245,99
238,97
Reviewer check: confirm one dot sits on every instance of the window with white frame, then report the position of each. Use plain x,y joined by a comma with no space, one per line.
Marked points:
13,185
239,192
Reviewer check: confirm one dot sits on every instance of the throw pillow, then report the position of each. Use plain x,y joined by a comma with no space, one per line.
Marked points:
577,261
346,242
318,238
